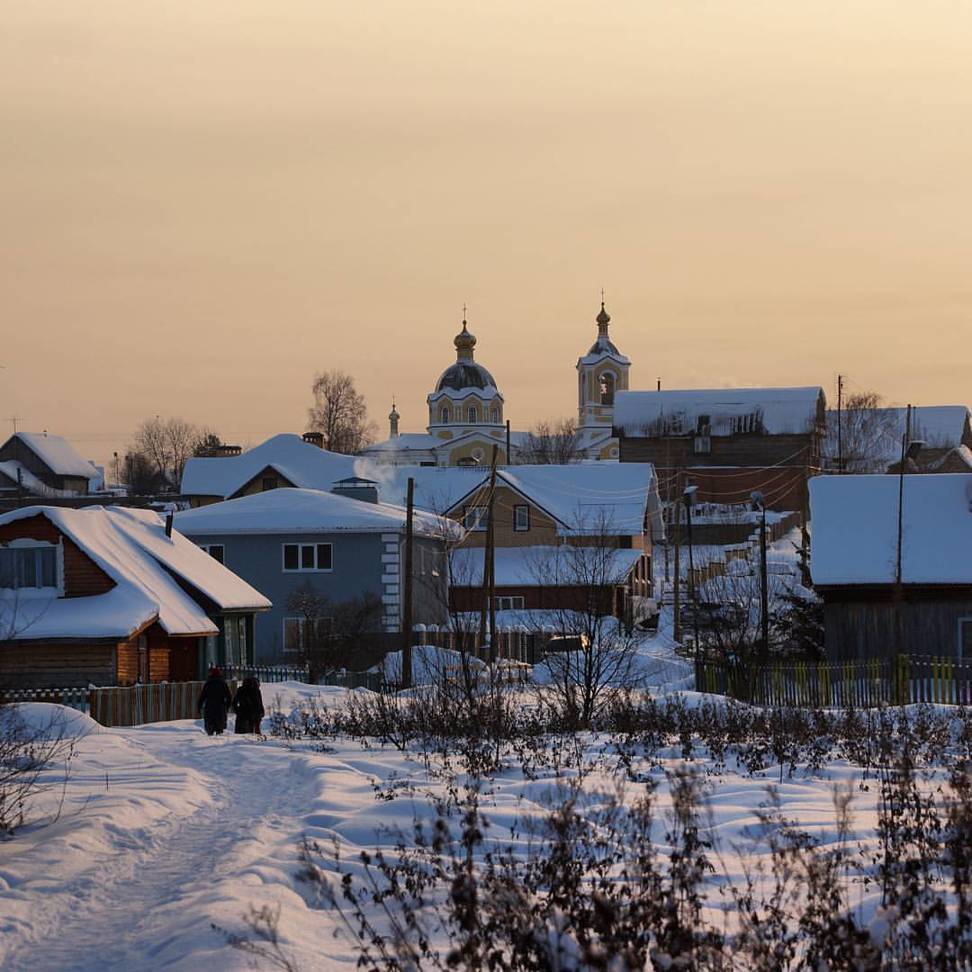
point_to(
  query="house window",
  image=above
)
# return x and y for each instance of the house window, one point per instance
(269, 482)
(472, 414)
(507, 602)
(702, 445)
(475, 518)
(305, 634)
(607, 388)
(965, 638)
(216, 551)
(521, 518)
(30, 566)
(444, 415)
(307, 556)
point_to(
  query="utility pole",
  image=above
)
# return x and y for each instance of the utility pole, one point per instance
(677, 602)
(407, 589)
(759, 503)
(489, 604)
(688, 497)
(840, 433)
(898, 590)
(509, 454)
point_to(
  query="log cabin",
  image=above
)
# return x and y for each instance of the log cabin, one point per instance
(891, 557)
(112, 596)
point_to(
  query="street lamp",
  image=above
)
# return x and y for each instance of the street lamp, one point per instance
(759, 506)
(688, 498)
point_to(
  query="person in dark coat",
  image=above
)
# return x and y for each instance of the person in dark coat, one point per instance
(214, 702)
(248, 705)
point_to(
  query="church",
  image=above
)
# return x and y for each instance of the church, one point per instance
(467, 411)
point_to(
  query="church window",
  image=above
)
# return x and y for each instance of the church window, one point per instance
(444, 415)
(494, 416)
(607, 388)
(472, 414)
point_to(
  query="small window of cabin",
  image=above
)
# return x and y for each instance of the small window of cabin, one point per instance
(31, 566)
(268, 483)
(475, 518)
(965, 638)
(521, 518)
(607, 388)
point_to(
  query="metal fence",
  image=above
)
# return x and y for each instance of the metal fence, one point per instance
(894, 680)
(267, 673)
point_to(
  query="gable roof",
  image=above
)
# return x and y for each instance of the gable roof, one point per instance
(130, 546)
(299, 462)
(583, 497)
(307, 511)
(57, 454)
(545, 566)
(774, 411)
(855, 529)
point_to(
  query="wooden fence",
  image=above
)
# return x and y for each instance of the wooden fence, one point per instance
(895, 680)
(137, 705)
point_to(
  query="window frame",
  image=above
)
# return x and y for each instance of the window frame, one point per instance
(963, 620)
(37, 546)
(482, 518)
(210, 547)
(301, 628)
(472, 415)
(516, 518)
(499, 598)
(301, 547)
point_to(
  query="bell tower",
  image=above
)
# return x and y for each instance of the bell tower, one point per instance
(601, 373)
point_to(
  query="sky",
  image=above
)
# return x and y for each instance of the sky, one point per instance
(204, 202)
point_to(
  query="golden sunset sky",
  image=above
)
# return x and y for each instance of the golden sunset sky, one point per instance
(202, 203)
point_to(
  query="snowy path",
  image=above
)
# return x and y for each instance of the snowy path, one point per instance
(131, 910)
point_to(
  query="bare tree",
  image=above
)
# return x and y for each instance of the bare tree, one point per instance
(551, 442)
(868, 438)
(599, 659)
(340, 414)
(330, 632)
(167, 443)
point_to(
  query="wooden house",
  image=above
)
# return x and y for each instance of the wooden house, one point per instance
(563, 534)
(729, 442)
(114, 596)
(282, 461)
(35, 464)
(893, 565)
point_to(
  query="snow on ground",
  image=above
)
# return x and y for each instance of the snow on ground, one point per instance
(160, 831)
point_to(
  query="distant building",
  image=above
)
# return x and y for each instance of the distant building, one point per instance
(609, 508)
(282, 461)
(855, 554)
(467, 411)
(340, 545)
(729, 442)
(106, 596)
(36, 464)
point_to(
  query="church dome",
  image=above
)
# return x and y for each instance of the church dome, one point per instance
(465, 373)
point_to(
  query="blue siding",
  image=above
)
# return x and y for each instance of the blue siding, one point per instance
(258, 559)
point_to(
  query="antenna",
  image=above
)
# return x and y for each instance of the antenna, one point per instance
(14, 419)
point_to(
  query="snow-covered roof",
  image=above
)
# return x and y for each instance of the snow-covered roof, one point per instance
(961, 455)
(18, 472)
(306, 511)
(57, 454)
(405, 442)
(130, 546)
(299, 462)
(855, 529)
(775, 411)
(545, 566)
(584, 497)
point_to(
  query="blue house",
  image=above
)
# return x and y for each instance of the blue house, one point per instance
(338, 546)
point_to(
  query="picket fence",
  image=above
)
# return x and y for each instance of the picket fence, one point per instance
(896, 680)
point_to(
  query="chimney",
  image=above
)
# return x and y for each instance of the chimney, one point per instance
(354, 487)
(168, 523)
(314, 439)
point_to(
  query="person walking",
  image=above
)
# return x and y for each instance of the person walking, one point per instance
(248, 705)
(214, 702)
